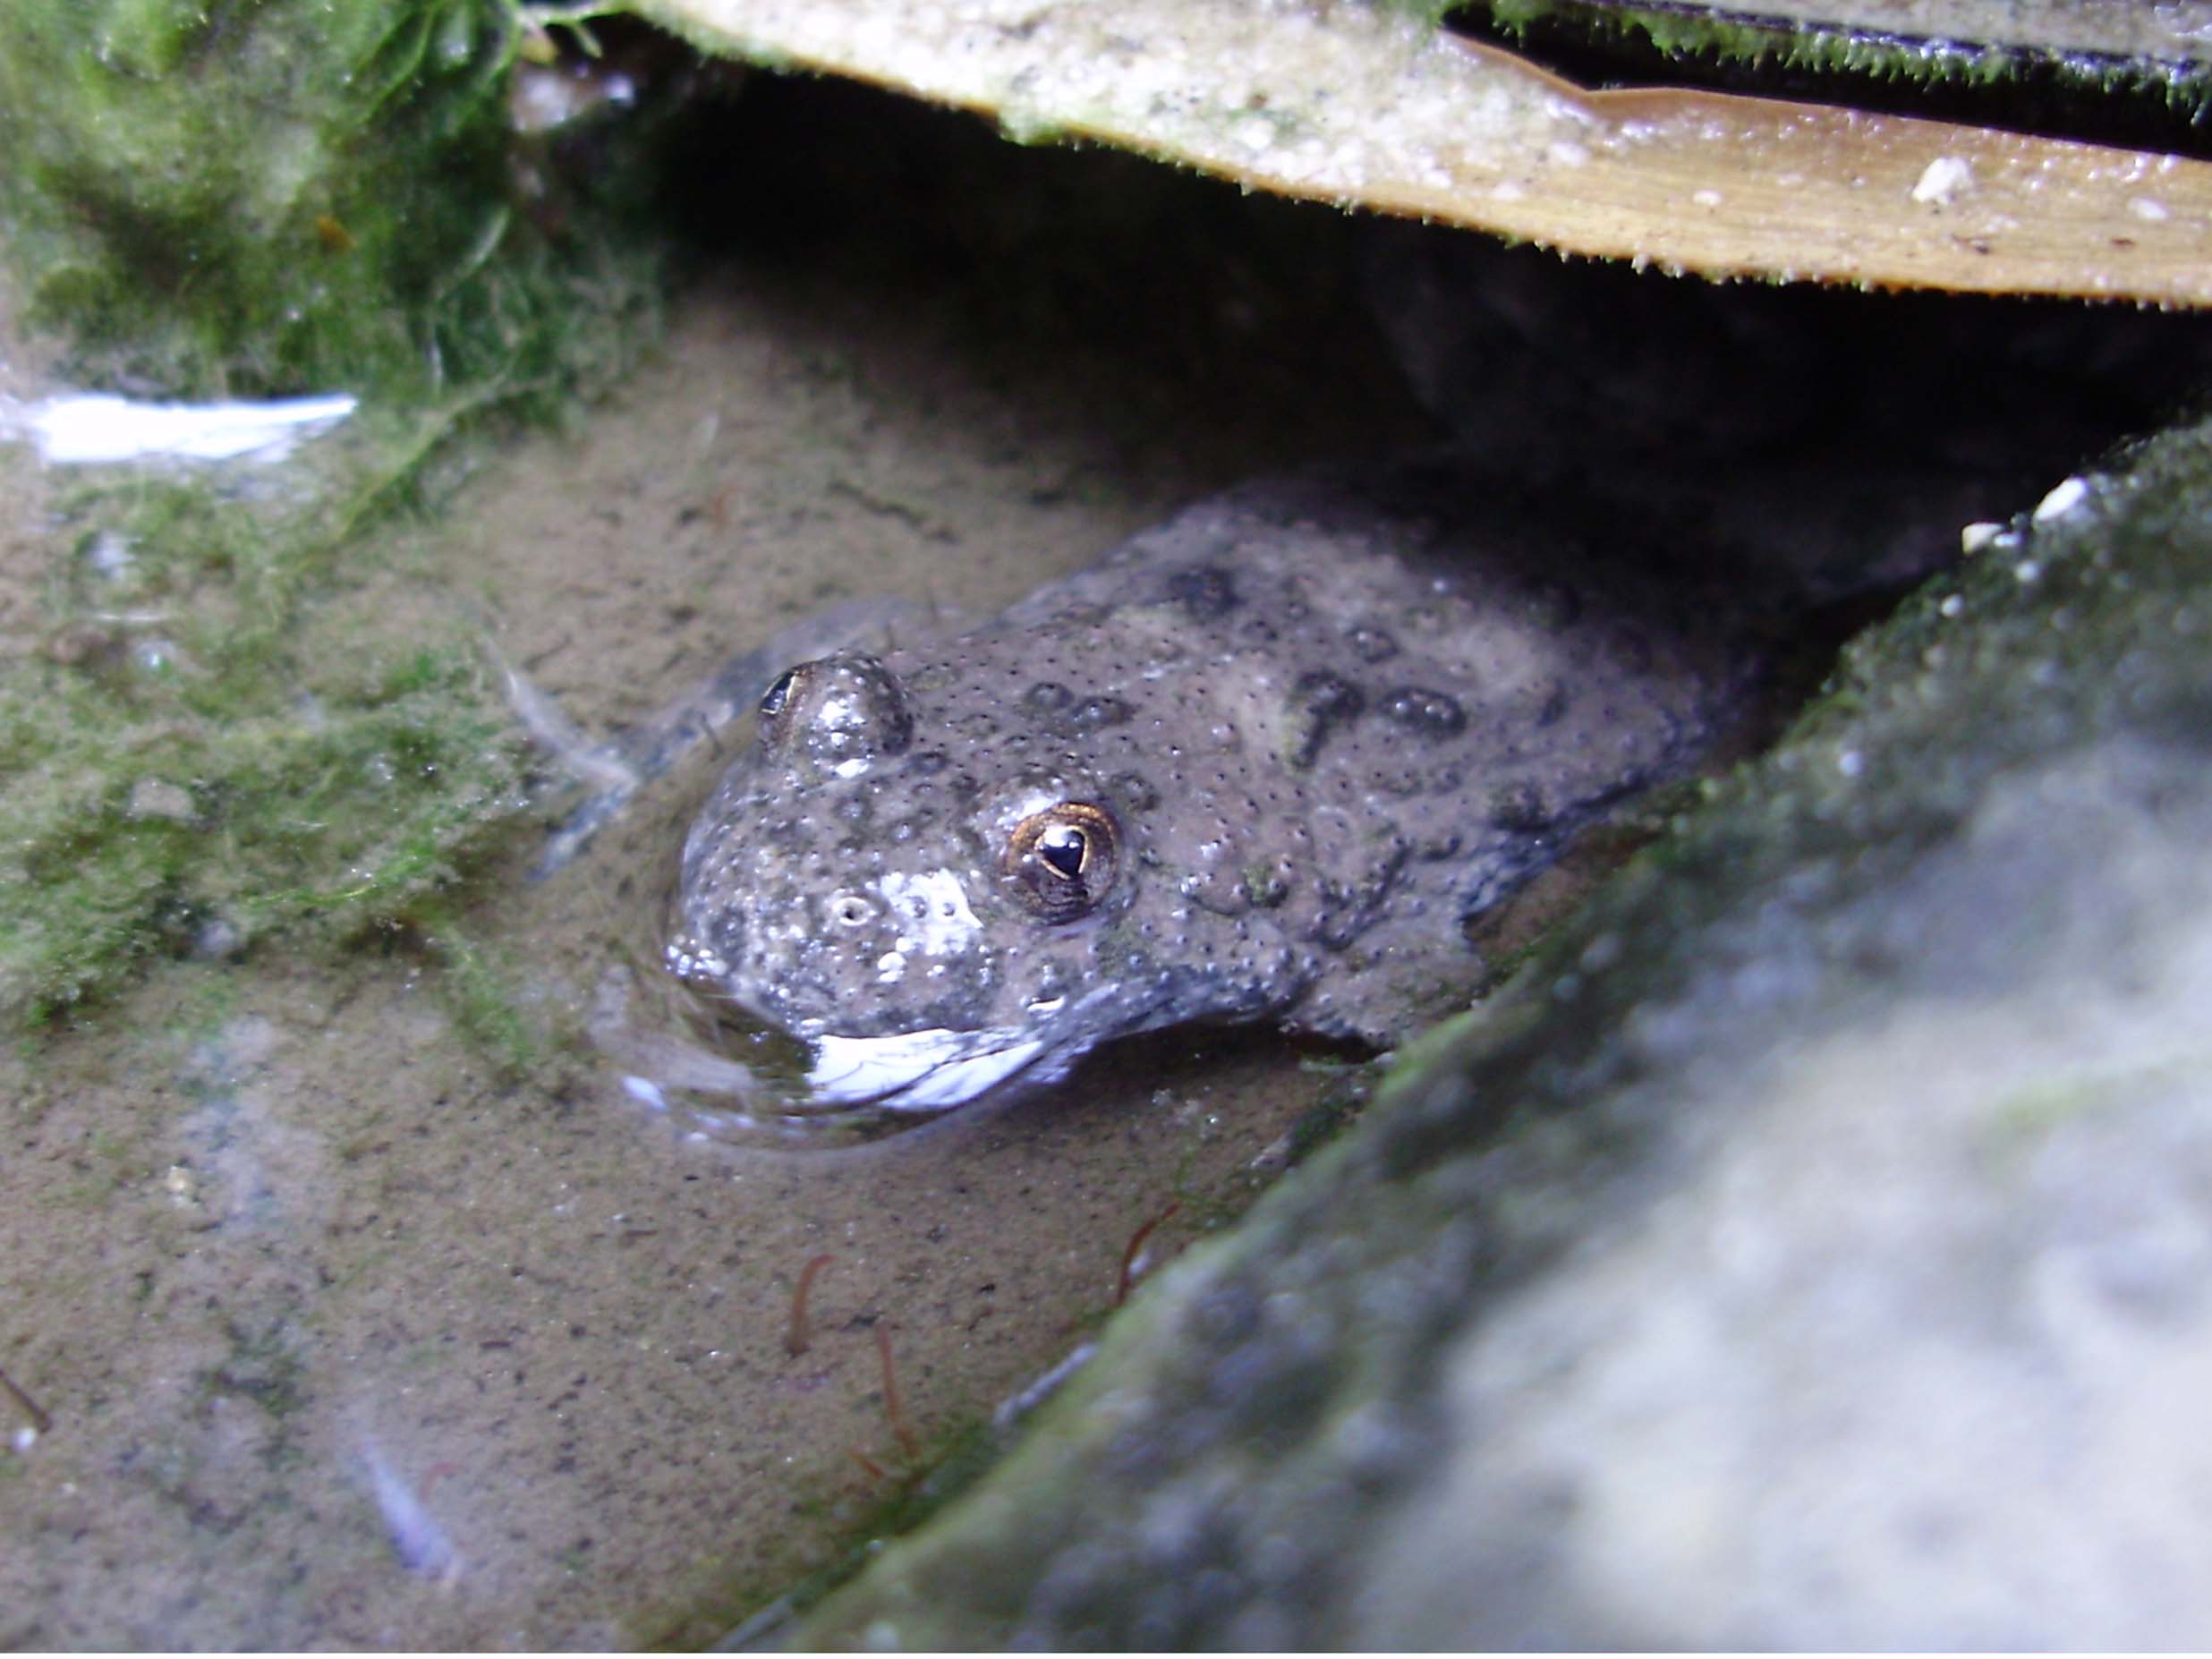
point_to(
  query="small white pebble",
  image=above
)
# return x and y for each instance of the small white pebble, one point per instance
(1979, 535)
(1256, 133)
(2027, 570)
(2061, 500)
(1943, 179)
(1851, 763)
(1953, 606)
(24, 1439)
(2147, 210)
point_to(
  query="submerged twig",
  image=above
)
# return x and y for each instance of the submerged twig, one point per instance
(1137, 1243)
(24, 1403)
(795, 1337)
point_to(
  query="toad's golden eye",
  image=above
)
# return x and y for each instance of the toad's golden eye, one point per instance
(1062, 860)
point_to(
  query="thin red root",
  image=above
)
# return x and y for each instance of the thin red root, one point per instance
(1137, 1243)
(24, 1403)
(894, 1407)
(795, 1337)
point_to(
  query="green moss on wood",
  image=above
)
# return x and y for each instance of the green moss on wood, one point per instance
(1723, 35)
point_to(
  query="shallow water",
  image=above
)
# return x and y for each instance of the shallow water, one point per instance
(333, 1334)
(338, 1337)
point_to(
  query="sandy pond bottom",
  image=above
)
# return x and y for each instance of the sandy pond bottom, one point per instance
(347, 1344)
(337, 1337)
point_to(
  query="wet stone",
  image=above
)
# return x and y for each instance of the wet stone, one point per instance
(1823, 1176)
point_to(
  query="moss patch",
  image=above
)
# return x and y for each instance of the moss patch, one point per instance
(255, 197)
(248, 197)
(179, 772)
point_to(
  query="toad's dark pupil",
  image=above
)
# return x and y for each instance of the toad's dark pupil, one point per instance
(773, 700)
(1063, 848)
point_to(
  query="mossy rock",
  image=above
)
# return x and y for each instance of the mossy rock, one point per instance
(1802, 1189)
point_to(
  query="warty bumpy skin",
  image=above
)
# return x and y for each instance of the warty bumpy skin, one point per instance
(1262, 761)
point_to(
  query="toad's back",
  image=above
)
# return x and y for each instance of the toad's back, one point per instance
(1262, 760)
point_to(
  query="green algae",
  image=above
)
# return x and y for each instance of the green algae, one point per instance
(257, 198)
(156, 809)
(208, 749)
(484, 992)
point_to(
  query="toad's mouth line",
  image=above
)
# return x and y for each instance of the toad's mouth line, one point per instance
(934, 1069)
(918, 1070)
